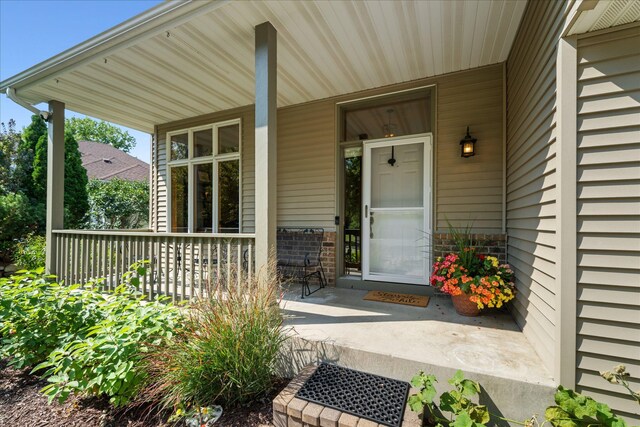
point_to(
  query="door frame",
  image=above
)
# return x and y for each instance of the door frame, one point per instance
(427, 140)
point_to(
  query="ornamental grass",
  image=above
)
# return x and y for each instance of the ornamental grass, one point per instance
(227, 352)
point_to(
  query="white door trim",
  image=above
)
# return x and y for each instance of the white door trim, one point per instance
(427, 141)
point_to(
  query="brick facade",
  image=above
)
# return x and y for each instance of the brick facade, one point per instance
(489, 244)
(329, 256)
(293, 243)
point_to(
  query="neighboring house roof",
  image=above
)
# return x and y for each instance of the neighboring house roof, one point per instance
(105, 162)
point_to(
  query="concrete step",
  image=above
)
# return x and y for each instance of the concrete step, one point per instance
(337, 326)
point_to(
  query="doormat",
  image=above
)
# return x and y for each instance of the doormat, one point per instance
(396, 298)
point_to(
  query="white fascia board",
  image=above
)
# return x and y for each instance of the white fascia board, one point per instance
(143, 26)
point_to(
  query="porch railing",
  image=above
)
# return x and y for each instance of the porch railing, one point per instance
(180, 265)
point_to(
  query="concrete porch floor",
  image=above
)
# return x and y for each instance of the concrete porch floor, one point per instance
(338, 326)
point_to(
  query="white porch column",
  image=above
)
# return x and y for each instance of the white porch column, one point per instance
(55, 181)
(265, 143)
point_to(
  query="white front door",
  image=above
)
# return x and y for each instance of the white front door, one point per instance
(396, 210)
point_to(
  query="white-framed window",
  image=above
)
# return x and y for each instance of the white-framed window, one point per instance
(204, 178)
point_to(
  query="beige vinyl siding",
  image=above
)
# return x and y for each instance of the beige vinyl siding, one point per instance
(470, 190)
(466, 189)
(531, 173)
(608, 206)
(246, 114)
(306, 165)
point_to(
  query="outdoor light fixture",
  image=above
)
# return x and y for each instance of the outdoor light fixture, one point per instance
(467, 145)
(389, 129)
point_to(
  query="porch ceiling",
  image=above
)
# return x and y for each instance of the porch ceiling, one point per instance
(183, 59)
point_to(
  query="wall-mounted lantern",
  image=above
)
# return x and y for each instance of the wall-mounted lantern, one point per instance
(467, 145)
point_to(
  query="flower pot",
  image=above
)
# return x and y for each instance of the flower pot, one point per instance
(464, 306)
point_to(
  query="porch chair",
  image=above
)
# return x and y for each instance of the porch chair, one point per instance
(299, 256)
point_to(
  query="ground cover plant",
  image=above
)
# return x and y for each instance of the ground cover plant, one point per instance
(79, 338)
(227, 351)
(455, 408)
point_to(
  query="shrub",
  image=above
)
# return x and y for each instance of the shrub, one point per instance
(226, 353)
(118, 204)
(84, 340)
(39, 315)
(17, 219)
(30, 253)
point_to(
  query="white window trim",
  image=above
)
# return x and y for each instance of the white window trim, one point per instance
(190, 163)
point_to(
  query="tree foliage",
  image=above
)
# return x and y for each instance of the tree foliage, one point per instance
(9, 141)
(18, 217)
(87, 129)
(76, 203)
(23, 173)
(118, 204)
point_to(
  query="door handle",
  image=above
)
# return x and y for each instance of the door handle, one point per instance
(366, 211)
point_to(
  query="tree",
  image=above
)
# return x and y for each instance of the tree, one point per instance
(76, 203)
(118, 204)
(87, 129)
(9, 141)
(23, 174)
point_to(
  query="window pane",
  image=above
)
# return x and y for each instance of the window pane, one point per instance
(203, 143)
(388, 119)
(180, 146)
(179, 199)
(352, 209)
(228, 139)
(204, 198)
(229, 197)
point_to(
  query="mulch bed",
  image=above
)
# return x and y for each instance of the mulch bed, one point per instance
(22, 404)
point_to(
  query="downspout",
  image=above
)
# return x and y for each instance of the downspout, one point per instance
(11, 94)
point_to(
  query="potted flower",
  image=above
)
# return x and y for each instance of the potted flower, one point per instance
(474, 281)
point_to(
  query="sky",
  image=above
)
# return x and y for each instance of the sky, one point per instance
(32, 31)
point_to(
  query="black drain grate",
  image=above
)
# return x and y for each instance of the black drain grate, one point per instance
(364, 395)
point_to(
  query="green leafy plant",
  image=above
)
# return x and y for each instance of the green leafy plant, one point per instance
(82, 339)
(227, 352)
(38, 315)
(576, 410)
(571, 409)
(118, 204)
(457, 402)
(30, 252)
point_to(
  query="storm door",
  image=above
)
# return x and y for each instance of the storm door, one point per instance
(396, 209)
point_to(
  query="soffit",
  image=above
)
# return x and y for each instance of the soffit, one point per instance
(205, 63)
(606, 14)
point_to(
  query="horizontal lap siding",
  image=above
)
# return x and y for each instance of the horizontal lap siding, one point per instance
(531, 173)
(608, 205)
(466, 189)
(470, 190)
(306, 165)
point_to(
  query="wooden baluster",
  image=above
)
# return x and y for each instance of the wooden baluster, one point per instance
(152, 267)
(192, 266)
(219, 258)
(209, 269)
(74, 256)
(250, 261)
(228, 278)
(174, 282)
(239, 260)
(183, 271)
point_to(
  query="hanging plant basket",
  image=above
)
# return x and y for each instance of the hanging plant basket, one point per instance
(464, 306)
